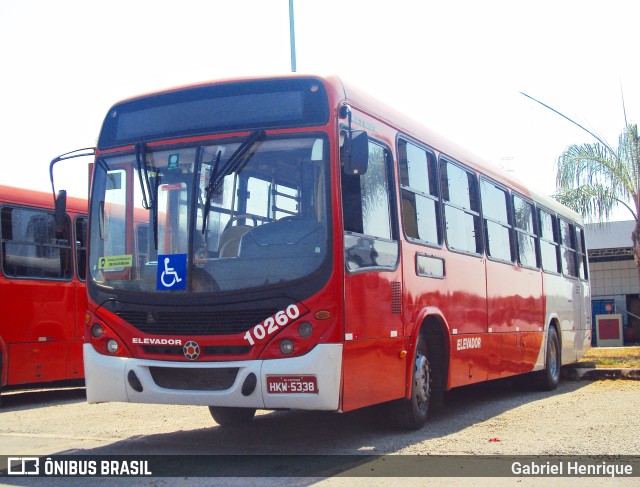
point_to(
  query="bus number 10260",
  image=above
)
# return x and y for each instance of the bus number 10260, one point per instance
(272, 324)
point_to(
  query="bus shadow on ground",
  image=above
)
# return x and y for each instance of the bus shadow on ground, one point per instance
(15, 399)
(361, 432)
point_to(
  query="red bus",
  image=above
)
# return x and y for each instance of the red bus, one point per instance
(42, 288)
(309, 247)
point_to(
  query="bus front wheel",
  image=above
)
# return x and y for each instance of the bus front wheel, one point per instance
(412, 413)
(231, 416)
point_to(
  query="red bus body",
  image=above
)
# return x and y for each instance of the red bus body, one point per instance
(485, 311)
(42, 289)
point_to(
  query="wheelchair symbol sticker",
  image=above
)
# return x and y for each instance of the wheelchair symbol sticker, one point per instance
(172, 272)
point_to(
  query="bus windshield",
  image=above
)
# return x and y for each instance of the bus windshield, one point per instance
(233, 214)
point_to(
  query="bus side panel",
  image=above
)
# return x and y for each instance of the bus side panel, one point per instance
(37, 362)
(38, 320)
(75, 366)
(516, 311)
(373, 369)
(565, 304)
(374, 372)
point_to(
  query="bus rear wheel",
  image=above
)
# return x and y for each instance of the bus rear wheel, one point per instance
(225, 416)
(412, 413)
(548, 379)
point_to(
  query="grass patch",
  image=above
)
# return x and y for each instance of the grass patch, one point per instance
(612, 357)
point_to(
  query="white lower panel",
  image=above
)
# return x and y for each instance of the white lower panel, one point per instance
(106, 381)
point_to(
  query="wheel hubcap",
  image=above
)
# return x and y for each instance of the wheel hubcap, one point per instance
(421, 375)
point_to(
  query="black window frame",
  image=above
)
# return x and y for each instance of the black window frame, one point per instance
(367, 239)
(70, 267)
(473, 198)
(571, 247)
(543, 240)
(508, 224)
(433, 195)
(80, 246)
(533, 234)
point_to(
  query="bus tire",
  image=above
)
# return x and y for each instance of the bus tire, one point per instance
(411, 414)
(225, 416)
(548, 379)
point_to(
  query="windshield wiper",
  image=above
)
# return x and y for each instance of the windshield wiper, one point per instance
(148, 190)
(235, 163)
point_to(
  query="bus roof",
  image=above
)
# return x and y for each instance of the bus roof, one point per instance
(342, 90)
(42, 199)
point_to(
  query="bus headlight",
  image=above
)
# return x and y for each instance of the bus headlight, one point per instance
(97, 330)
(286, 346)
(112, 346)
(305, 329)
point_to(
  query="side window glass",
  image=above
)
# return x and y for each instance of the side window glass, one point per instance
(568, 250)
(495, 203)
(420, 213)
(31, 247)
(370, 239)
(548, 242)
(583, 268)
(461, 208)
(81, 247)
(525, 232)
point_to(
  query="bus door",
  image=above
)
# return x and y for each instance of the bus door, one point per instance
(373, 368)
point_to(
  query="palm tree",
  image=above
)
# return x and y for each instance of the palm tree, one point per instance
(592, 179)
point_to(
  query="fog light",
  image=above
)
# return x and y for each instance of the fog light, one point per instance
(96, 330)
(286, 346)
(305, 329)
(112, 346)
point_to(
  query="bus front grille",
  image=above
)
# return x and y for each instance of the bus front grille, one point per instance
(187, 379)
(195, 323)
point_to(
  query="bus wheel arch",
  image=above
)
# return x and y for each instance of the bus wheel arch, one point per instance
(426, 376)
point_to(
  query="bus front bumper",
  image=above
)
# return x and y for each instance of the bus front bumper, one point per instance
(227, 384)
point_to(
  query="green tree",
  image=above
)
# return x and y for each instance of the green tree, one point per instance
(594, 178)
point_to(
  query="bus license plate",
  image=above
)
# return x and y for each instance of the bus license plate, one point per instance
(292, 384)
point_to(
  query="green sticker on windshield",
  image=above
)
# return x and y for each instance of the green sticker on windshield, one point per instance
(115, 262)
(173, 162)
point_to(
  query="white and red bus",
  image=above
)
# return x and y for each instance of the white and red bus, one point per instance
(42, 288)
(309, 247)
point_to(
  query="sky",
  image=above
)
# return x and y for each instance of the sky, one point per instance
(455, 66)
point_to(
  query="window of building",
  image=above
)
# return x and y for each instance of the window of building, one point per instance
(420, 213)
(459, 189)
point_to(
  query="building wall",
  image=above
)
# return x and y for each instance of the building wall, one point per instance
(614, 278)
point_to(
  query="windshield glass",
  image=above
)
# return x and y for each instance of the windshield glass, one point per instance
(236, 214)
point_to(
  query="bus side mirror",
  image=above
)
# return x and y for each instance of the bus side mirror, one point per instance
(355, 153)
(61, 211)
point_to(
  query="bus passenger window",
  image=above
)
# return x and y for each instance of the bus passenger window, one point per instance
(549, 242)
(583, 268)
(370, 239)
(496, 218)
(81, 248)
(420, 212)
(525, 233)
(567, 249)
(31, 247)
(461, 208)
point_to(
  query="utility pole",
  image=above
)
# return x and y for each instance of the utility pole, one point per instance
(292, 36)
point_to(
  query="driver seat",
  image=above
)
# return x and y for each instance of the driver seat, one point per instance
(230, 240)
